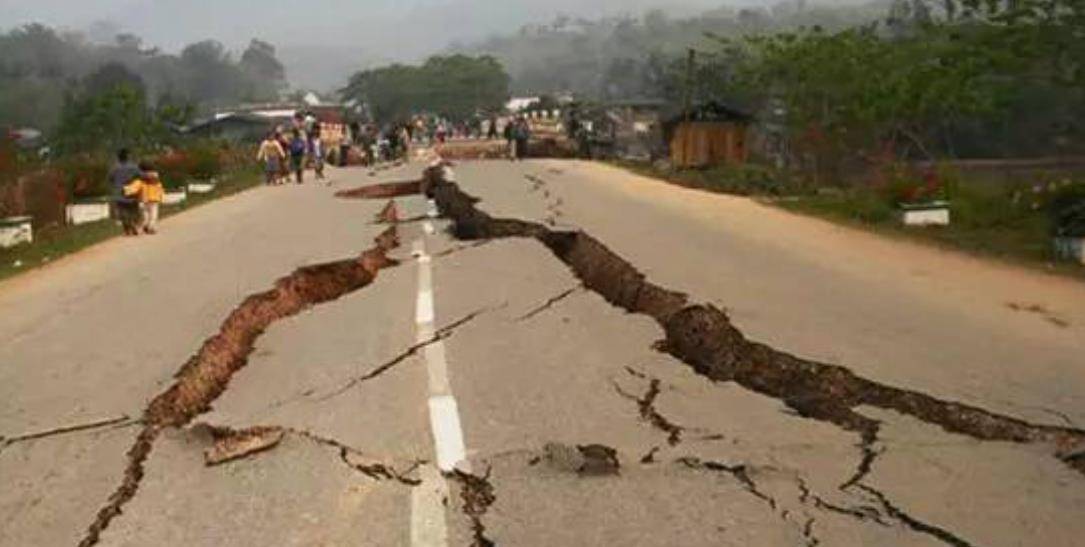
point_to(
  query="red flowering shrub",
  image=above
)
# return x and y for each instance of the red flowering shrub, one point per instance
(85, 176)
(909, 185)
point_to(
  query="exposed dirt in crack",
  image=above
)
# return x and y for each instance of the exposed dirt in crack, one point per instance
(382, 191)
(206, 375)
(703, 337)
(477, 495)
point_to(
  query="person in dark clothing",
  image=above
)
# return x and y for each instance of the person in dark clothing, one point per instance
(298, 149)
(126, 208)
(510, 138)
(491, 133)
(522, 134)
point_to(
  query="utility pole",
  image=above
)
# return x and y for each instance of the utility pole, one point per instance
(690, 65)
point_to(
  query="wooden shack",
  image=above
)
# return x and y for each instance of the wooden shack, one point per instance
(709, 134)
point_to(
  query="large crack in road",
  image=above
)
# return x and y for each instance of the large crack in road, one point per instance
(208, 373)
(703, 337)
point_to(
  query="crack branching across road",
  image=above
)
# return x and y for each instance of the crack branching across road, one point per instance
(206, 375)
(703, 337)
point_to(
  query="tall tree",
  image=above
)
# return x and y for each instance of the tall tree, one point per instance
(456, 86)
(265, 73)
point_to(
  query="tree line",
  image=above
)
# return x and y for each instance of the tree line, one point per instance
(903, 78)
(48, 78)
(457, 87)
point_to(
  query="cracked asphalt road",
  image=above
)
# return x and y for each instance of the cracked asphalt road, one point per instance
(575, 429)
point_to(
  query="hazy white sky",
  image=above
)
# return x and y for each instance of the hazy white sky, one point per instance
(320, 40)
(171, 23)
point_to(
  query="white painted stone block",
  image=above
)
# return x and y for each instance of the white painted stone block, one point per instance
(85, 213)
(175, 198)
(1070, 248)
(201, 187)
(15, 231)
(935, 214)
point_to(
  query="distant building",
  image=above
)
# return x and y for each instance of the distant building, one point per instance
(519, 104)
(252, 123)
(711, 133)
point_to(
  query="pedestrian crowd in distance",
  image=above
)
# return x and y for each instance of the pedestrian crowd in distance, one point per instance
(289, 152)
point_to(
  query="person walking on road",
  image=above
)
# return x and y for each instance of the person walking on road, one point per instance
(405, 142)
(316, 151)
(126, 209)
(272, 155)
(298, 148)
(148, 190)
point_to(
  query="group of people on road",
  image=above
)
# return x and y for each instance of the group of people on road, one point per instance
(285, 153)
(390, 143)
(138, 195)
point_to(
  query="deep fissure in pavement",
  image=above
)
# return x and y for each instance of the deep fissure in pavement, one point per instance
(383, 191)
(703, 337)
(206, 375)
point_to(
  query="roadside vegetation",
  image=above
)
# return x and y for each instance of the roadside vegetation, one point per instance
(91, 99)
(1008, 220)
(53, 240)
(975, 103)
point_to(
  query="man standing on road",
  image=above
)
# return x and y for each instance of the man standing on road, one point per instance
(522, 133)
(126, 208)
(510, 138)
(298, 148)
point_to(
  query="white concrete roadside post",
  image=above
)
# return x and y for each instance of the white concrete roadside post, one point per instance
(15, 231)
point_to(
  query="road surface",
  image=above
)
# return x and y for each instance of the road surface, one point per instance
(497, 390)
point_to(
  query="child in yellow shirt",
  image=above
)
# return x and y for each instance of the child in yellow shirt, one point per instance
(148, 188)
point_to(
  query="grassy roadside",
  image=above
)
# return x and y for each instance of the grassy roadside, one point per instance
(52, 243)
(986, 222)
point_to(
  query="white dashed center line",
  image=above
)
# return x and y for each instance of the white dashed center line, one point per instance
(428, 525)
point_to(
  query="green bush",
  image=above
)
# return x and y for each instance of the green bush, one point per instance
(744, 180)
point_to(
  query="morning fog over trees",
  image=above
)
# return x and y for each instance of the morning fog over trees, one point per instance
(960, 78)
(45, 72)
